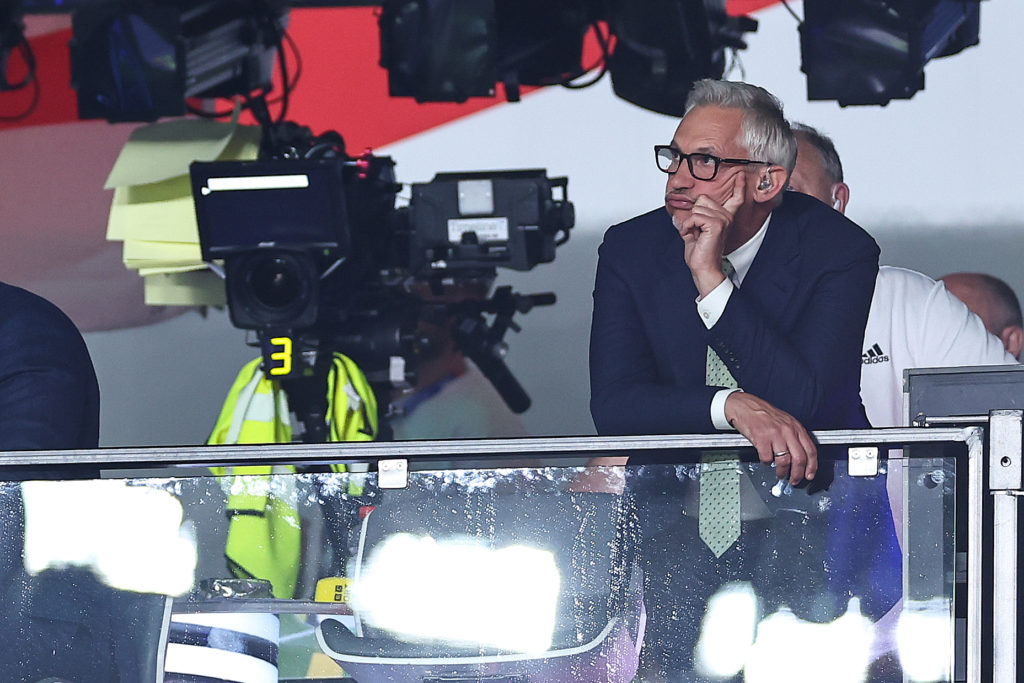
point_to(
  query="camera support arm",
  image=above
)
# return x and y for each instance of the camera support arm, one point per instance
(484, 344)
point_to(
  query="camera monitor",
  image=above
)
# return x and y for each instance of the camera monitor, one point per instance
(242, 206)
(277, 225)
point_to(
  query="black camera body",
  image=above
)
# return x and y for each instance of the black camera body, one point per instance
(318, 259)
(278, 226)
(298, 234)
(480, 220)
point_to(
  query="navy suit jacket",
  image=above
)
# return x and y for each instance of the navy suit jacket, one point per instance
(791, 334)
(62, 623)
(49, 397)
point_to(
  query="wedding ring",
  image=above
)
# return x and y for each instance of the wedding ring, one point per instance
(780, 454)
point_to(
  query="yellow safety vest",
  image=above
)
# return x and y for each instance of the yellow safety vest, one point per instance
(264, 533)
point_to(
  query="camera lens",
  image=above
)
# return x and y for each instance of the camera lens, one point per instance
(272, 288)
(276, 282)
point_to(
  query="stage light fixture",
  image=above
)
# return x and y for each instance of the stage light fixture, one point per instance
(138, 61)
(541, 42)
(439, 50)
(451, 50)
(874, 51)
(663, 46)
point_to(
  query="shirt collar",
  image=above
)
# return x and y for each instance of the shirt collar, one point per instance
(743, 257)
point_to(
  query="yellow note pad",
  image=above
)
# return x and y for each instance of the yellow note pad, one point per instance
(195, 288)
(165, 149)
(172, 220)
(146, 254)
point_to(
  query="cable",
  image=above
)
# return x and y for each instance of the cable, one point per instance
(286, 89)
(30, 79)
(735, 62)
(603, 42)
(789, 9)
(296, 57)
(285, 86)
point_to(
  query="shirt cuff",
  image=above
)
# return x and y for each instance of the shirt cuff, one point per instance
(718, 410)
(711, 307)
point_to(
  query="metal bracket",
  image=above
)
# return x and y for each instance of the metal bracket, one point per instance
(863, 461)
(393, 474)
(1005, 445)
(922, 420)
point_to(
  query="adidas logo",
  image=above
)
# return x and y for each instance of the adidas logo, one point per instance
(874, 355)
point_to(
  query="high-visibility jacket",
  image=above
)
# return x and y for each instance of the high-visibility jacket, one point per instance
(264, 532)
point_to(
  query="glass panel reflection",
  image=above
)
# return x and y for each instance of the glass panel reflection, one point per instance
(500, 575)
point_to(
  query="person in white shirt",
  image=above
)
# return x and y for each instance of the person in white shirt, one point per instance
(913, 322)
(994, 302)
(452, 398)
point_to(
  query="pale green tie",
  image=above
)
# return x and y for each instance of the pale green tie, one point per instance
(719, 509)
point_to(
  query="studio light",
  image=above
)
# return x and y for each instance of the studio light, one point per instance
(874, 51)
(138, 61)
(541, 42)
(663, 46)
(451, 50)
(439, 50)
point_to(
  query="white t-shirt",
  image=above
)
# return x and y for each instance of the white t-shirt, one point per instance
(914, 322)
(465, 407)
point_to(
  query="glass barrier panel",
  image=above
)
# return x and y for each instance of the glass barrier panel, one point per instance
(538, 572)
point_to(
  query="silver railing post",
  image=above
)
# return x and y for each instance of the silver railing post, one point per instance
(1006, 485)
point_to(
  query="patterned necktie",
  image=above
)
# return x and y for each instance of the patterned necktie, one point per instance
(719, 508)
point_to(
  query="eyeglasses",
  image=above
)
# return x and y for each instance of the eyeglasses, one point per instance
(702, 166)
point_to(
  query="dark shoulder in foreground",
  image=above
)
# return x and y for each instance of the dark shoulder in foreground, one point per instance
(50, 396)
(20, 309)
(824, 228)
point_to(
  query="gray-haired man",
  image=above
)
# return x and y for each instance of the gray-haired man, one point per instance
(732, 307)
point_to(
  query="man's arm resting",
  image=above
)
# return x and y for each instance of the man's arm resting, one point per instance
(808, 370)
(772, 431)
(627, 396)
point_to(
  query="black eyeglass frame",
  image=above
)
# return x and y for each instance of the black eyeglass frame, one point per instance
(689, 162)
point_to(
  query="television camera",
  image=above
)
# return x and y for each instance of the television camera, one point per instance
(319, 258)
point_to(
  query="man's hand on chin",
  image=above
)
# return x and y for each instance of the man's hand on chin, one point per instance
(776, 435)
(704, 232)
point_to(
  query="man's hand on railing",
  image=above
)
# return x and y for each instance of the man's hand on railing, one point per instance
(776, 435)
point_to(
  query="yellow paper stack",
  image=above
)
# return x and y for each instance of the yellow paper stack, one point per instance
(153, 213)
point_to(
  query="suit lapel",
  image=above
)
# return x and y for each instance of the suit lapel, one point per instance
(774, 276)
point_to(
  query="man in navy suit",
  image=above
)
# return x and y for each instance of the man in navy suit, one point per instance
(790, 334)
(788, 323)
(62, 623)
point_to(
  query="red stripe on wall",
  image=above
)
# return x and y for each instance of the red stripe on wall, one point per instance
(740, 7)
(53, 74)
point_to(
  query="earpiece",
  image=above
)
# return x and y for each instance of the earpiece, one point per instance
(837, 203)
(765, 184)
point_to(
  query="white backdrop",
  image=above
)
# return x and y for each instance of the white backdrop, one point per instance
(933, 178)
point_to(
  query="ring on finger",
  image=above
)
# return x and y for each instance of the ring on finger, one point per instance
(781, 454)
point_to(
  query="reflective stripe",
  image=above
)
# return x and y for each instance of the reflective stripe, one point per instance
(264, 538)
(218, 664)
(223, 639)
